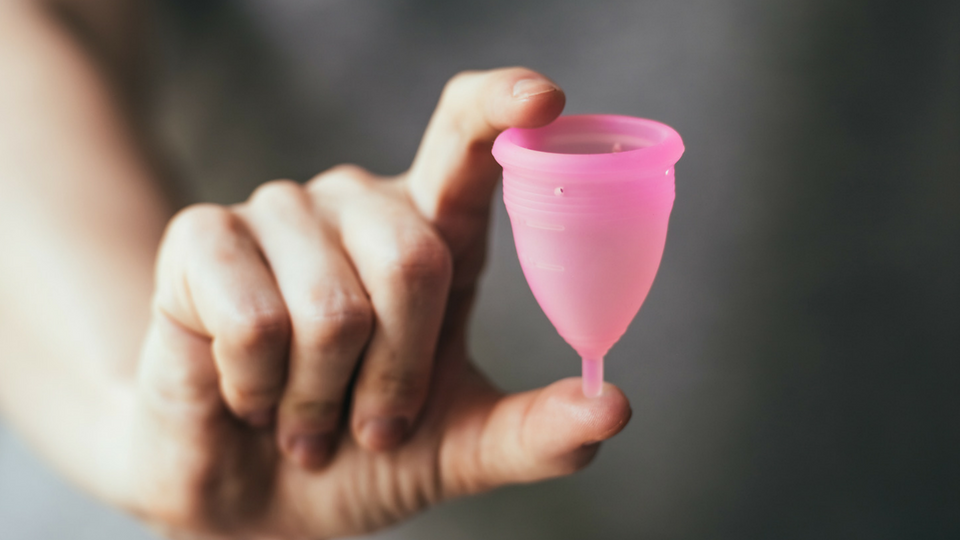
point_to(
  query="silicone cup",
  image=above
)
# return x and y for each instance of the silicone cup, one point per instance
(589, 198)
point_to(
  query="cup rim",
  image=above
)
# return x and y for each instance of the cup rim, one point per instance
(662, 155)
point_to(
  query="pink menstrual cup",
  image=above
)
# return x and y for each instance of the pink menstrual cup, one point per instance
(589, 198)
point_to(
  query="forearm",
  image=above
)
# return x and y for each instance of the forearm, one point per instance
(80, 219)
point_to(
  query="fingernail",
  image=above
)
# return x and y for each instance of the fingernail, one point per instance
(310, 449)
(383, 433)
(525, 88)
(261, 419)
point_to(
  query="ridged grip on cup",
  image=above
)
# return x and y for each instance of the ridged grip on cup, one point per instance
(589, 199)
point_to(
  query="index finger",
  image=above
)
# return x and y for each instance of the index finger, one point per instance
(453, 176)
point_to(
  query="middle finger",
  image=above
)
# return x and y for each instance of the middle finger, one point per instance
(330, 313)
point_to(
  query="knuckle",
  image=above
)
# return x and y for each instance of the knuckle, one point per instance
(203, 220)
(349, 170)
(277, 193)
(252, 395)
(456, 83)
(423, 260)
(400, 387)
(206, 233)
(315, 412)
(343, 176)
(338, 318)
(258, 328)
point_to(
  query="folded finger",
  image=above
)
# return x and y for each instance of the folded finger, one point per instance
(213, 280)
(330, 313)
(406, 269)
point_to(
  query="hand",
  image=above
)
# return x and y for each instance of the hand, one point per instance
(306, 375)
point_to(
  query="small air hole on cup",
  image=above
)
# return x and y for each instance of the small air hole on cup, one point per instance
(558, 192)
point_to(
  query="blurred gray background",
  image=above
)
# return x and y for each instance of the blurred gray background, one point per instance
(794, 372)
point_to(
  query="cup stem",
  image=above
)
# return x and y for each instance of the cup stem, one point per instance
(592, 377)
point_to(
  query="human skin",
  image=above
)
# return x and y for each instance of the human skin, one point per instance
(294, 366)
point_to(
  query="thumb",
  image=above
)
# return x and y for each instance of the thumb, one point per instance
(540, 434)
